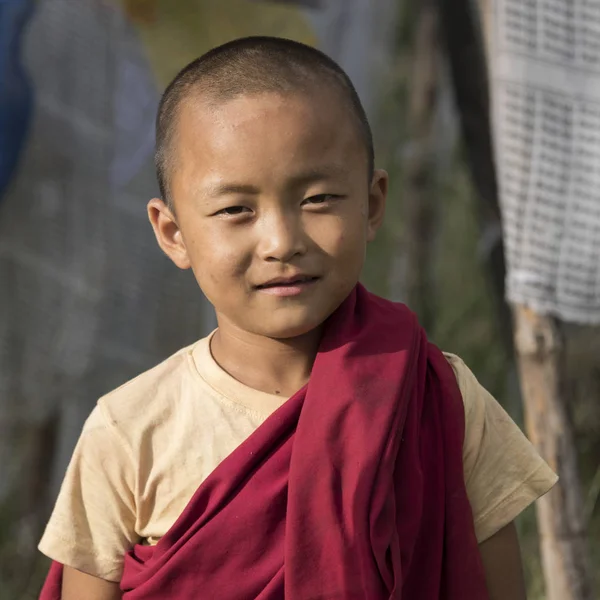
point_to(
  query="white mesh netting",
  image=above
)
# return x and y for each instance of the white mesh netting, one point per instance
(545, 75)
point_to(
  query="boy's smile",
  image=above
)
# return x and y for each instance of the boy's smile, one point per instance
(273, 208)
(288, 286)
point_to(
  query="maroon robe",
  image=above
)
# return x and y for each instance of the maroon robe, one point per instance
(353, 489)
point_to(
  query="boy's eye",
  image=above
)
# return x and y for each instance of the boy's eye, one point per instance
(232, 211)
(320, 199)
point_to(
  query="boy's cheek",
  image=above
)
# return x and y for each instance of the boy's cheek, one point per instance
(346, 238)
(349, 246)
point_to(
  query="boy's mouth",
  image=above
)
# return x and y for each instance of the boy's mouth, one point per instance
(287, 286)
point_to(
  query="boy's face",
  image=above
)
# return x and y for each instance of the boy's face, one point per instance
(273, 208)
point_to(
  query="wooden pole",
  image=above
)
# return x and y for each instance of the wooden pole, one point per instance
(560, 514)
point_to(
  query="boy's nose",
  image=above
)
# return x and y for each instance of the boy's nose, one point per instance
(281, 238)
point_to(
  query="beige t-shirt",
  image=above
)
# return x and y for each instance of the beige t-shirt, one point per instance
(148, 445)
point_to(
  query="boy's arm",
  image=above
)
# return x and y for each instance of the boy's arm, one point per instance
(81, 586)
(501, 558)
(93, 522)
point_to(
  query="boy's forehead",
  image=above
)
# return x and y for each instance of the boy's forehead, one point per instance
(248, 129)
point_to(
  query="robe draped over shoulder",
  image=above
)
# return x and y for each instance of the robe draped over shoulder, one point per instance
(354, 488)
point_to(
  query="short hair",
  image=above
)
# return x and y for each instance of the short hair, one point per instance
(252, 65)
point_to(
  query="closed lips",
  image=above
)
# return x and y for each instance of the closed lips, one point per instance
(287, 281)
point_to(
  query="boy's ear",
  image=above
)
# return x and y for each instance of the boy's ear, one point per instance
(377, 199)
(167, 232)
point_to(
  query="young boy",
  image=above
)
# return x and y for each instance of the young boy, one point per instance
(315, 445)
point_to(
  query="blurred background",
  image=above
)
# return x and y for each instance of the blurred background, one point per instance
(487, 116)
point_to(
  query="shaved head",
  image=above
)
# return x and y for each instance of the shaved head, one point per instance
(253, 66)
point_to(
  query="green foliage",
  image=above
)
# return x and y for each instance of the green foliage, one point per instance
(466, 319)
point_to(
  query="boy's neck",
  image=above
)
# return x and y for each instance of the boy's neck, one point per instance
(266, 364)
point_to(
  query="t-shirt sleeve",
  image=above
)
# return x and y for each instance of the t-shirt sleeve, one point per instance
(504, 474)
(93, 522)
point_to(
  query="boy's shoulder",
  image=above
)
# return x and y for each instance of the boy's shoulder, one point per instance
(467, 382)
(458, 364)
(150, 392)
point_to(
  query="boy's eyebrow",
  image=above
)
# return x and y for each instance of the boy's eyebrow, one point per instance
(318, 174)
(223, 189)
(309, 176)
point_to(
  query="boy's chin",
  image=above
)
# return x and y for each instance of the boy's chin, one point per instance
(292, 321)
(287, 328)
